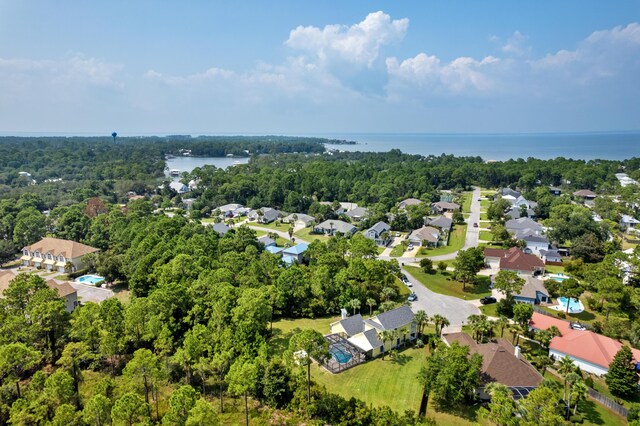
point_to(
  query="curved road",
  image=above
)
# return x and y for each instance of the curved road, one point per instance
(454, 309)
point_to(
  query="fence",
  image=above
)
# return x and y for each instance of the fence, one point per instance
(609, 403)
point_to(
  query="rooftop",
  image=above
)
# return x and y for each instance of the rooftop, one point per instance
(69, 249)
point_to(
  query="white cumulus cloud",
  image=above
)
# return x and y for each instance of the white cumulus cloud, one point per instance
(359, 43)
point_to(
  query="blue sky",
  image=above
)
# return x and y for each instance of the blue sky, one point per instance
(293, 67)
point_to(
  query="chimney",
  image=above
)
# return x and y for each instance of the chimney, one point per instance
(343, 313)
(516, 352)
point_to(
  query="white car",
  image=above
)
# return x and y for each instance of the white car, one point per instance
(398, 234)
(578, 326)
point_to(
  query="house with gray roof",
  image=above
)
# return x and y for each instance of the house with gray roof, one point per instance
(408, 202)
(332, 226)
(366, 333)
(514, 225)
(442, 222)
(266, 215)
(299, 219)
(427, 236)
(379, 233)
(550, 256)
(534, 243)
(510, 192)
(179, 187)
(357, 214)
(533, 292)
(267, 241)
(220, 228)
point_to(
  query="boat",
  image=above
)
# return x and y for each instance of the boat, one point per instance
(174, 172)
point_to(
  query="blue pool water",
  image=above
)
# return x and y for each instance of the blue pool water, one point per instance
(90, 279)
(340, 355)
(574, 304)
(558, 277)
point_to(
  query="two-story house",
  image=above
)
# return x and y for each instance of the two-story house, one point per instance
(54, 254)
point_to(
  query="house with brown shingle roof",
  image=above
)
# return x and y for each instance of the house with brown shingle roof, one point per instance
(501, 363)
(585, 194)
(54, 253)
(64, 289)
(515, 260)
(444, 206)
(427, 236)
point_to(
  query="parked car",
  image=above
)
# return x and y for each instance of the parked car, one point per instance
(475, 224)
(398, 234)
(412, 297)
(488, 300)
(410, 247)
(577, 326)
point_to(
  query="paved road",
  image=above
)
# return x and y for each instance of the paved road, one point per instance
(454, 309)
(471, 239)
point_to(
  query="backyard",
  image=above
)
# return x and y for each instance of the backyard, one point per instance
(443, 283)
(379, 382)
(306, 235)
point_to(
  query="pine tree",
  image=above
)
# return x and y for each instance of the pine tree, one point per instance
(621, 377)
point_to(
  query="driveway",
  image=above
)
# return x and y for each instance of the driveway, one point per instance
(91, 293)
(455, 310)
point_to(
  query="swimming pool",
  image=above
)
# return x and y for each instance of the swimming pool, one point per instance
(90, 279)
(340, 354)
(559, 277)
(575, 305)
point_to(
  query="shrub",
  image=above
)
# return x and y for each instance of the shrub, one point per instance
(442, 266)
(576, 418)
(505, 307)
(589, 381)
(634, 412)
(427, 265)
(561, 315)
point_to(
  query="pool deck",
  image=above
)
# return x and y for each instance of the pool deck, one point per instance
(91, 293)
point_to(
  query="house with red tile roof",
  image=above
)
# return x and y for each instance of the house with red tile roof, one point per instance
(592, 352)
(515, 260)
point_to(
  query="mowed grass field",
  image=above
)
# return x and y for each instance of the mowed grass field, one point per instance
(392, 381)
(440, 284)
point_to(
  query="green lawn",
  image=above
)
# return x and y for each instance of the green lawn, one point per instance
(485, 235)
(554, 269)
(466, 202)
(483, 216)
(306, 235)
(484, 204)
(490, 310)
(285, 328)
(593, 412)
(391, 381)
(456, 242)
(398, 250)
(444, 284)
(284, 227)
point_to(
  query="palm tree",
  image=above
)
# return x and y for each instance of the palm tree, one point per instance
(371, 303)
(385, 336)
(290, 232)
(388, 293)
(502, 322)
(565, 367)
(580, 391)
(572, 379)
(420, 318)
(440, 322)
(355, 304)
(516, 329)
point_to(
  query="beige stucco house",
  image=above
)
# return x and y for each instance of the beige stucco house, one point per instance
(53, 254)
